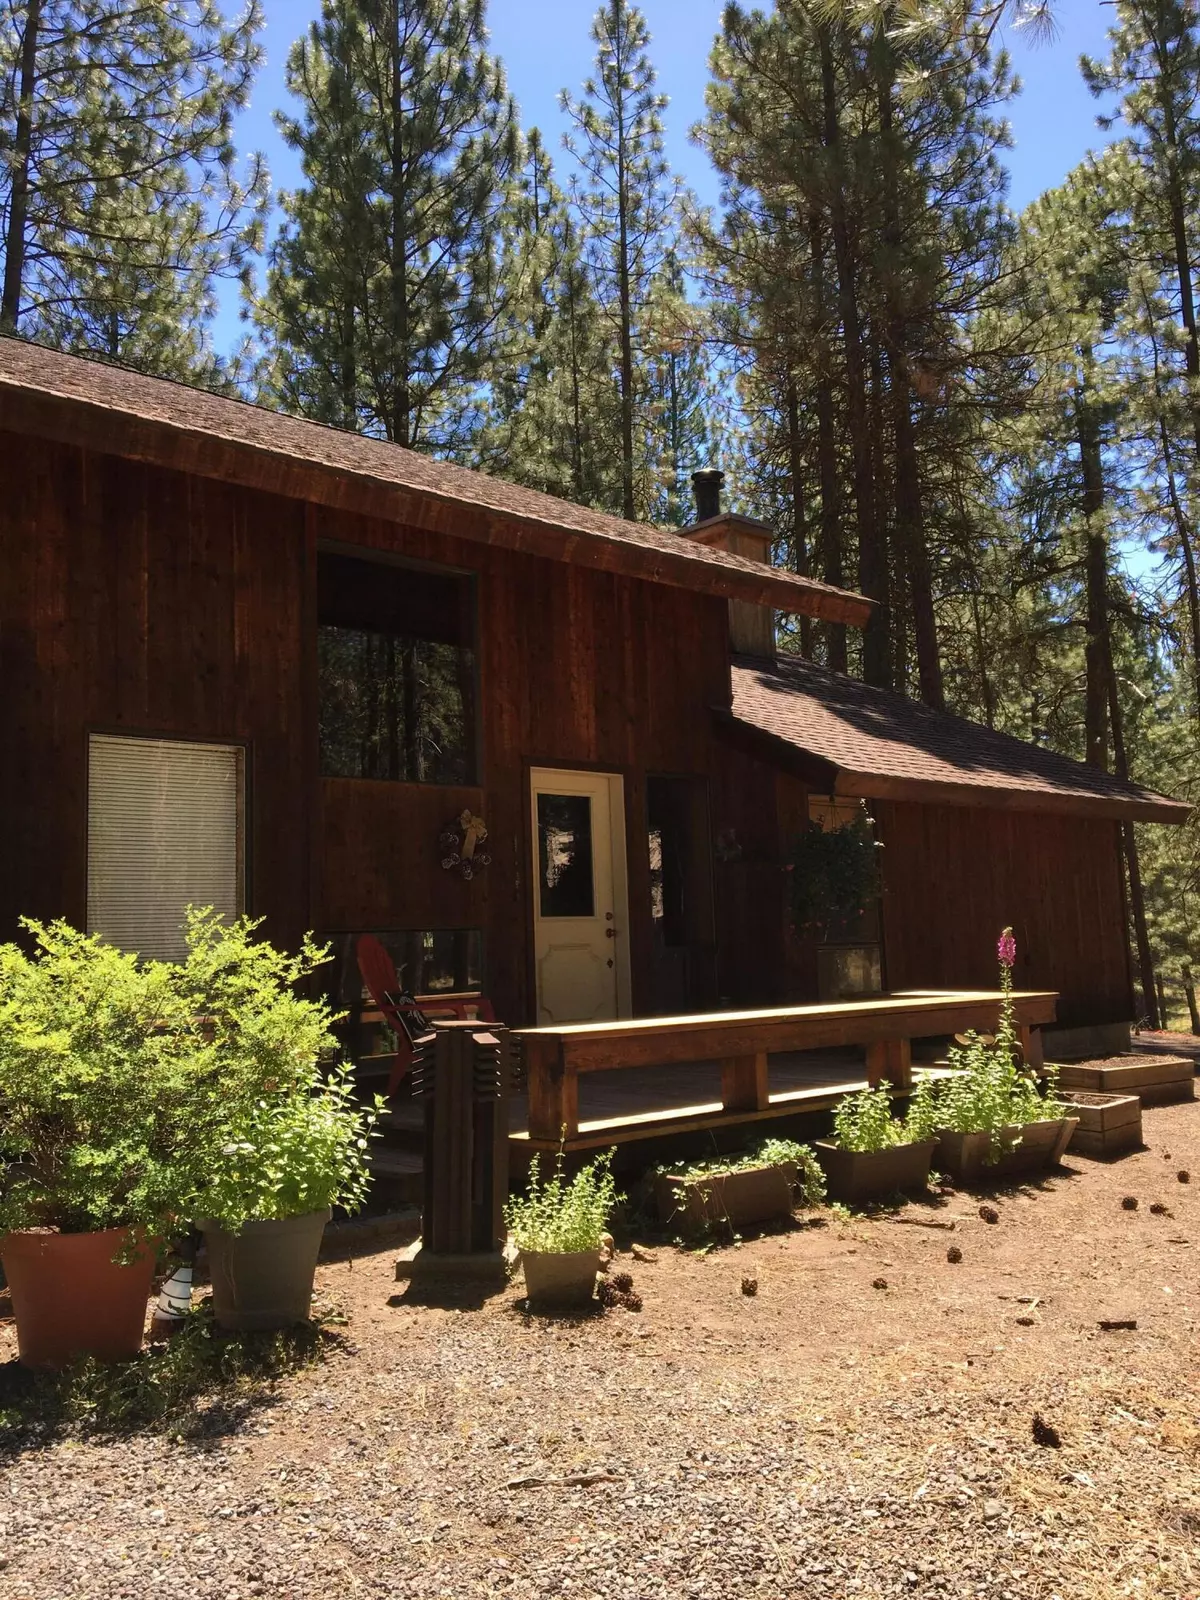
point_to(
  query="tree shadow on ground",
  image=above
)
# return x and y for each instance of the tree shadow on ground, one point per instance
(202, 1384)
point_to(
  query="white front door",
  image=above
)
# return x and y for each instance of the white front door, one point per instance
(580, 901)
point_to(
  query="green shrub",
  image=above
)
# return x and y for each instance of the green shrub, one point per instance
(99, 1085)
(290, 1153)
(561, 1216)
(864, 1121)
(123, 1083)
(920, 1120)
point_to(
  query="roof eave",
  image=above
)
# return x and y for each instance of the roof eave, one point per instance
(826, 777)
(74, 419)
(877, 786)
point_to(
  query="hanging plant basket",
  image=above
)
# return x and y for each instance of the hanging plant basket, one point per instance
(835, 876)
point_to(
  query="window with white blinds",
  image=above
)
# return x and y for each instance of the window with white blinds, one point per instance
(165, 831)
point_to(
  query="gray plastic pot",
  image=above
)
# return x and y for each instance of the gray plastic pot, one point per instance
(262, 1277)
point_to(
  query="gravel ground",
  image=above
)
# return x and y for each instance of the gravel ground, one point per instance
(824, 1438)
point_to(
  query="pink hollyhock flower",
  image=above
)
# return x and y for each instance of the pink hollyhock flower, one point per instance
(1006, 948)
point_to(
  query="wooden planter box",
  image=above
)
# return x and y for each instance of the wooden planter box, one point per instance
(857, 1175)
(964, 1156)
(1156, 1080)
(1109, 1124)
(740, 1199)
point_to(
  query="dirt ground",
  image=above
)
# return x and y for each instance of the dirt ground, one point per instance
(862, 1426)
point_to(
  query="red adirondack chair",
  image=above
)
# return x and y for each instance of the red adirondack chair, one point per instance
(406, 1014)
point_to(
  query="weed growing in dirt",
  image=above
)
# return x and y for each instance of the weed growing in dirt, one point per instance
(198, 1382)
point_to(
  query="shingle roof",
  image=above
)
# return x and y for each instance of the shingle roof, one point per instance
(848, 738)
(170, 424)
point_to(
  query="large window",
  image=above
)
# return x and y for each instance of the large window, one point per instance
(396, 663)
(165, 831)
(849, 961)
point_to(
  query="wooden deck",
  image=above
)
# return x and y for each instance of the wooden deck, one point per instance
(650, 1102)
(606, 1083)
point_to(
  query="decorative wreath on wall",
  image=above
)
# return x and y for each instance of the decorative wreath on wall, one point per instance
(460, 842)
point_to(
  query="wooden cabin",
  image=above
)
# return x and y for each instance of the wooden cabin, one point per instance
(258, 663)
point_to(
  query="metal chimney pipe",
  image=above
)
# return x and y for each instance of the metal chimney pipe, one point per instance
(706, 486)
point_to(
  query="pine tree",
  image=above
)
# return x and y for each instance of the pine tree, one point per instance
(625, 202)
(862, 234)
(119, 199)
(1154, 65)
(384, 295)
(552, 409)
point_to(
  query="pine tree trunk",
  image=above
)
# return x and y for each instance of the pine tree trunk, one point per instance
(1133, 869)
(827, 470)
(909, 510)
(910, 529)
(1191, 356)
(1184, 534)
(1098, 649)
(349, 370)
(576, 408)
(799, 540)
(401, 408)
(19, 186)
(1189, 990)
(872, 558)
(981, 656)
(625, 308)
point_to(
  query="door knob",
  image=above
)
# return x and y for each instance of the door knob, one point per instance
(610, 933)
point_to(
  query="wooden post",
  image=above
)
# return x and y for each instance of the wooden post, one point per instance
(891, 1059)
(463, 1077)
(1031, 1048)
(553, 1091)
(744, 1083)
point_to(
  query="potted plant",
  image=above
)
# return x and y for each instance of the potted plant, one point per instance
(97, 1098)
(994, 1117)
(873, 1153)
(835, 875)
(757, 1185)
(558, 1225)
(286, 1161)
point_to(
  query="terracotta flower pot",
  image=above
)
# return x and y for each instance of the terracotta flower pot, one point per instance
(560, 1278)
(262, 1277)
(70, 1298)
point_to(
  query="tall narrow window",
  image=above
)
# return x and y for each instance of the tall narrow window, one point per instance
(165, 831)
(396, 664)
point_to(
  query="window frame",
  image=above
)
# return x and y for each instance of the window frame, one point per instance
(392, 558)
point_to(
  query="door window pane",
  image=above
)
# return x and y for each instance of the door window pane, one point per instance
(565, 881)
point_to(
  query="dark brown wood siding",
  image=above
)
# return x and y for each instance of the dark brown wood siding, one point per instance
(150, 602)
(955, 876)
(137, 599)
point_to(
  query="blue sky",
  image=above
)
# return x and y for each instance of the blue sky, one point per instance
(545, 47)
